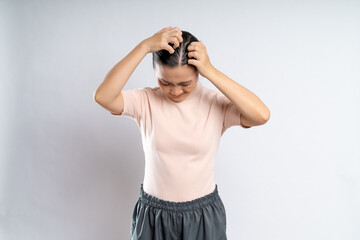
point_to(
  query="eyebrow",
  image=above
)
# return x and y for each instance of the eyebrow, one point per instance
(172, 83)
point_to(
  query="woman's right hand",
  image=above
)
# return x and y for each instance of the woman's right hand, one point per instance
(161, 39)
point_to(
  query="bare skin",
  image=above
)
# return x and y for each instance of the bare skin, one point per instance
(108, 94)
(175, 82)
(180, 177)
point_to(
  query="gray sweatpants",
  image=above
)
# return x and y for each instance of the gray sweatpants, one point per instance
(203, 218)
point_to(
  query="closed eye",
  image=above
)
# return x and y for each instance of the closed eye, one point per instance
(167, 84)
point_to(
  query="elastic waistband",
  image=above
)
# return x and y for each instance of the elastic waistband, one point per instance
(178, 206)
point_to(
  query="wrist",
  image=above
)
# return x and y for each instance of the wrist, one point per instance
(143, 46)
(211, 71)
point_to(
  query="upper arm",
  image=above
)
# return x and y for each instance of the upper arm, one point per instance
(133, 103)
(116, 106)
(231, 115)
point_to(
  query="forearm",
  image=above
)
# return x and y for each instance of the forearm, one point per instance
(246, 101)
(117, 77)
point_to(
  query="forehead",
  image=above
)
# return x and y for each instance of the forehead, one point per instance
(175, 75)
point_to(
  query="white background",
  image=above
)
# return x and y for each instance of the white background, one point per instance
(71, 170)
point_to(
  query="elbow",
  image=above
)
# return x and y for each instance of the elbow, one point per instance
(97, 98)
(266, 116)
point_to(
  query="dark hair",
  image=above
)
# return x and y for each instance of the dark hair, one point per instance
(179, 57)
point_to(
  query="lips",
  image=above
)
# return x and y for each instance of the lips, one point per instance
(178, 95)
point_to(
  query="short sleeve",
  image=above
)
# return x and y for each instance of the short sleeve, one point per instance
(230, 113)
(136, 104)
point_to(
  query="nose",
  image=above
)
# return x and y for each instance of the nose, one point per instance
(177, 91)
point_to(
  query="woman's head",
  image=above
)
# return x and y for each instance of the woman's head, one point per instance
(175, 76)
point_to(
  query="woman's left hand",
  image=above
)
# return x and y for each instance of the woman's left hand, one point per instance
(202, 62)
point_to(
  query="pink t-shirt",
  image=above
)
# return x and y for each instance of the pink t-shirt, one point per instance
(180, 139)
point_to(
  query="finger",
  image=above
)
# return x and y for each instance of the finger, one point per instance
(176, 32)
(162, 30)
(194, 49)
(176, 29)
(179, 31)
(192, 62)
(192, 45)
(194, 55)
(175, 42)
(169, 49)
(178, 37)
(190, 54)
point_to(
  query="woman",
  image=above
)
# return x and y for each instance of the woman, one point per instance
(181, 123)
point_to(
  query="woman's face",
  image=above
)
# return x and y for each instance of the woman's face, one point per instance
(178, 82)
